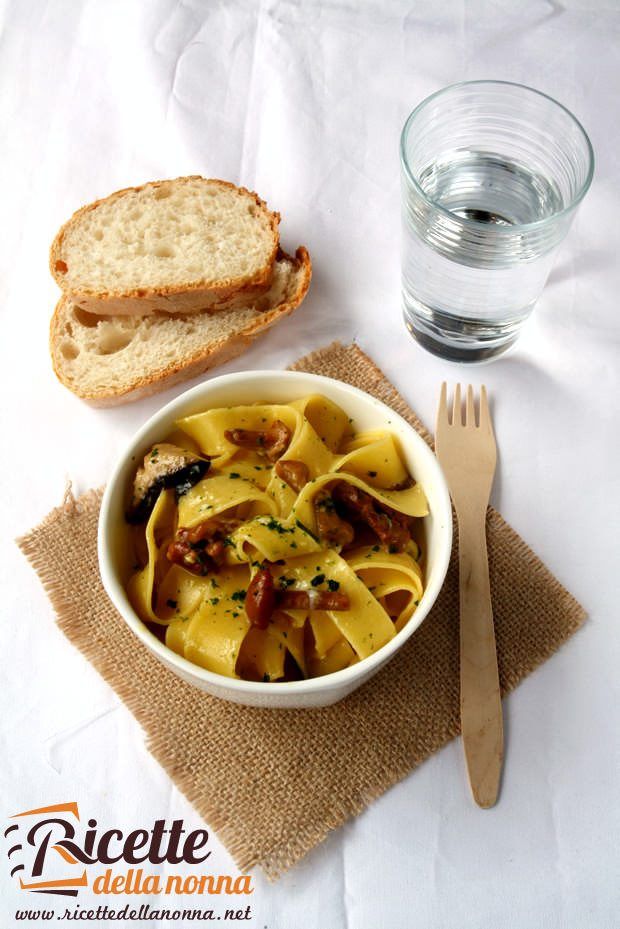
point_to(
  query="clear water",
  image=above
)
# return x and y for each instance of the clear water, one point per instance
(490, 188)
(468, 299)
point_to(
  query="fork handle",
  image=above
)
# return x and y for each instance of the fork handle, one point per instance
(481, 705)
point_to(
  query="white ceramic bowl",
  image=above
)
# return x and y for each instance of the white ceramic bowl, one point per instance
(275, 387)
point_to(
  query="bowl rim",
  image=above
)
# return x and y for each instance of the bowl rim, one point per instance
(116, 592)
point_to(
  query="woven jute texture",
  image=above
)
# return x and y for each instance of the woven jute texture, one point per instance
(273, 783)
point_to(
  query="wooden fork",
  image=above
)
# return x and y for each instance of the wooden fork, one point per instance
(467, 454)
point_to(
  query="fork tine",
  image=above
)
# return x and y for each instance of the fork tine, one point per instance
(457, 416)
(485, 416)
(470, 412)
(442, 409)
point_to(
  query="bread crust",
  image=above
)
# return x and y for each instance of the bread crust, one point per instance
(178, 303)
(201, 361)
(140, 301)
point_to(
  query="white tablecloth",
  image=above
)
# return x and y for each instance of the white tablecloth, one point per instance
(304, 102)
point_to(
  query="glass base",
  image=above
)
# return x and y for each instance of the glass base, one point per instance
(453, 338)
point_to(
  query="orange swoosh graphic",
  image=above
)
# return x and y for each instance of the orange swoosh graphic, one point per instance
(57, 808)
(71, 882)
(64, 854)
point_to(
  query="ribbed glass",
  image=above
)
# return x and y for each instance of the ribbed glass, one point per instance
(492, 174)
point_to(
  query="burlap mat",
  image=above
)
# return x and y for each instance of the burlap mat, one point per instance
(273, 783)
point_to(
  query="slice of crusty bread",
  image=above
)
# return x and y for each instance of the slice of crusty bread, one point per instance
(113, 360)
(176, 245)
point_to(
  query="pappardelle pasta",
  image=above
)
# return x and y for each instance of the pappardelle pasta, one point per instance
(273, 542)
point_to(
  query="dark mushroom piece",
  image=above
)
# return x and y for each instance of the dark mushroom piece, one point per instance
(165, 466)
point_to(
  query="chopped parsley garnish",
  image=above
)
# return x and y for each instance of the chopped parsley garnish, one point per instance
(172, 604)
(275, 526)
(233, 475)
(333, 585)
(371, 473)
(214, 601)
(239, 595)
(286, 582)
(305, 529)
(317, 580)
(266, 679)
(375, 548)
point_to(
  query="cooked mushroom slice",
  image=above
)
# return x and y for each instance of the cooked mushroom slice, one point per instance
(273, 442)
(391, 527)
(262, 599)
(165, 466)
(293, 473)
(202, 548)
(197, 550)
(331, 528)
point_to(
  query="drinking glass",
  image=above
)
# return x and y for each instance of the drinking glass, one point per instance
(492, 174)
